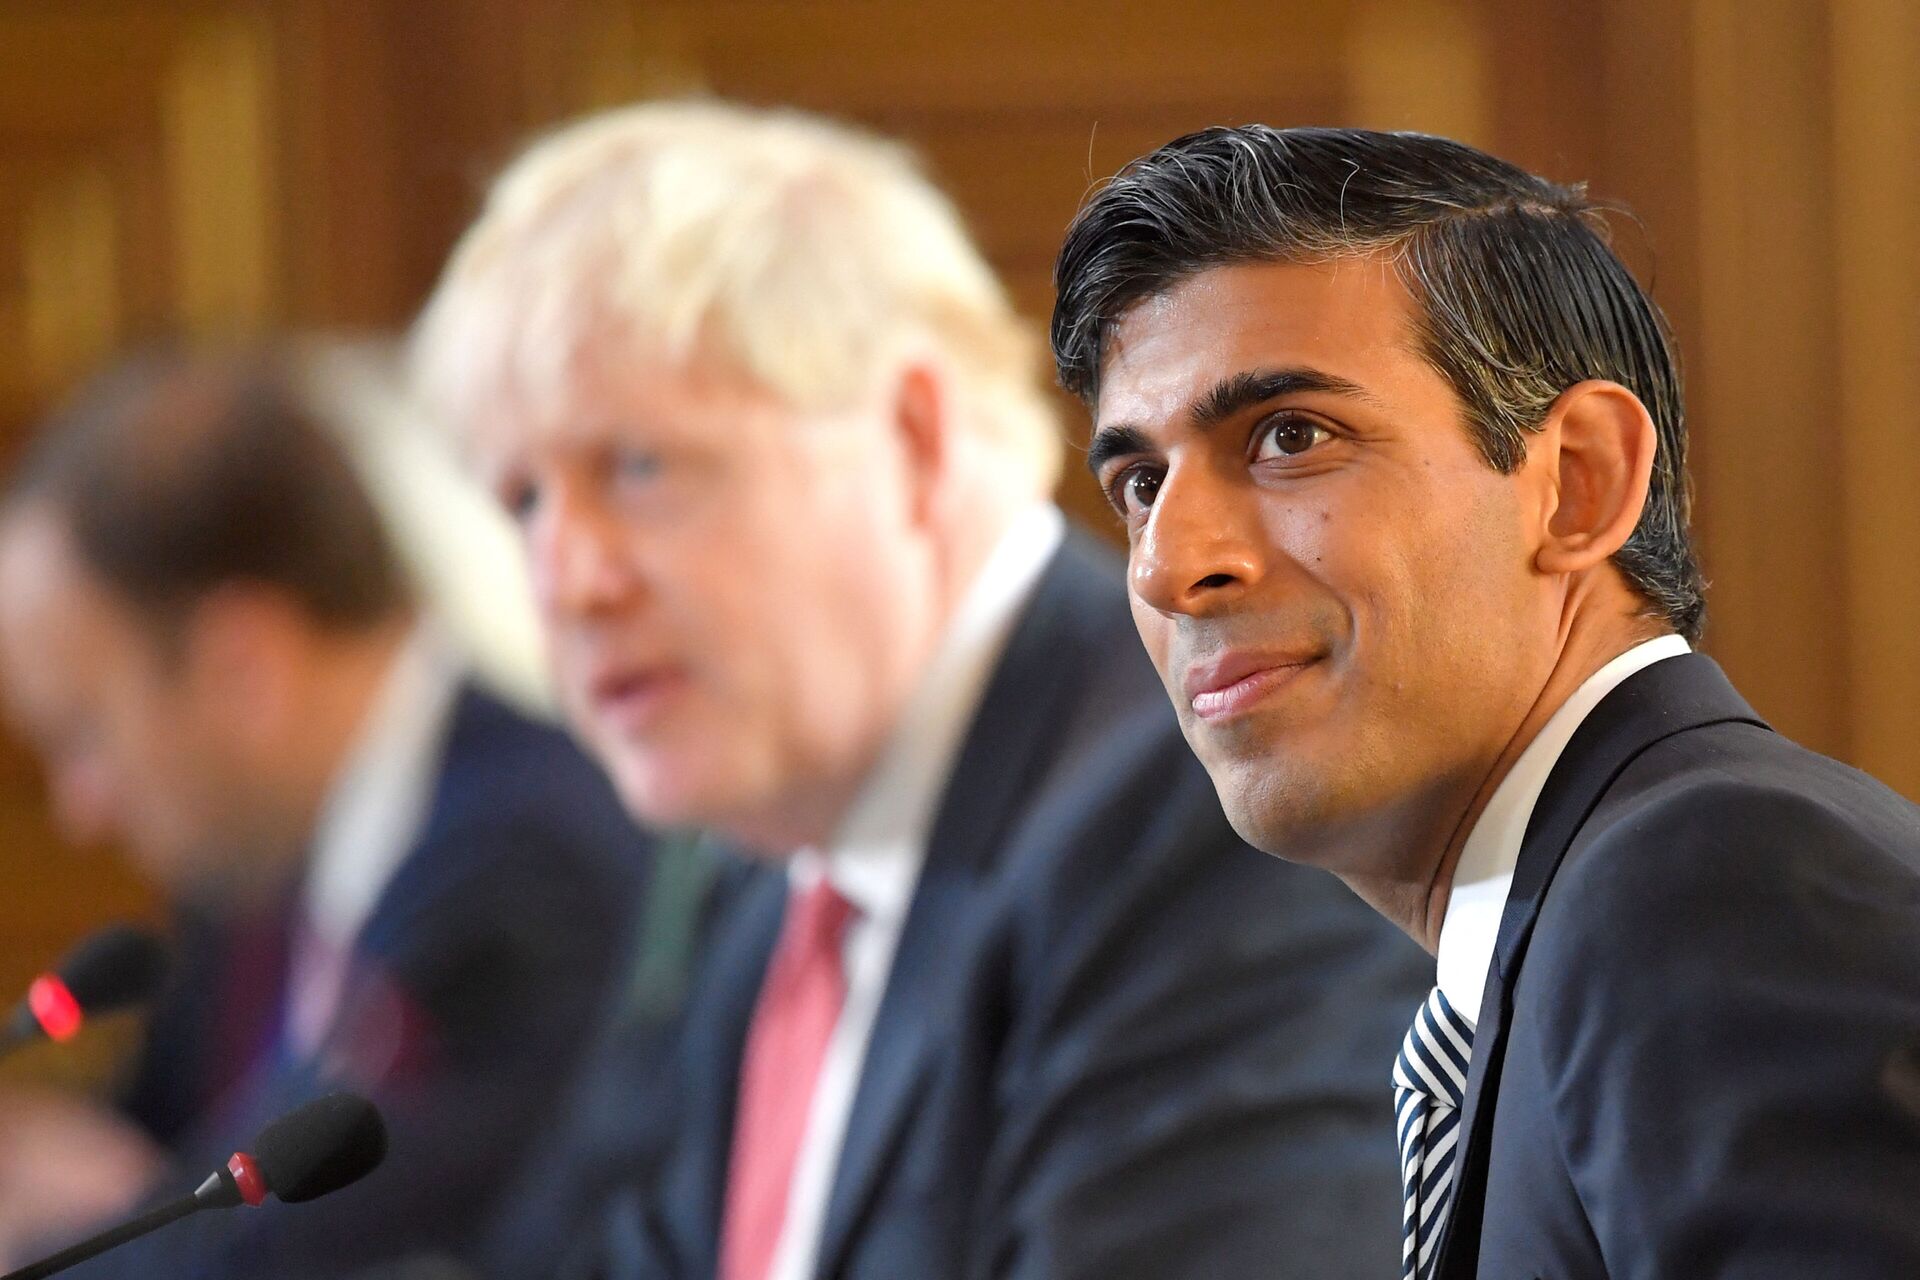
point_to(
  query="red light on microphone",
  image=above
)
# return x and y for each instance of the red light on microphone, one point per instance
(247, 1177)
(54, 1007)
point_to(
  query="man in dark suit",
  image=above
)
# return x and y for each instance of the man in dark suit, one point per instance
(1005, 996)
(1399, 445)
(392, 881)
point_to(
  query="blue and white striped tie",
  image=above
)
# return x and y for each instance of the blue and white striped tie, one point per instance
(1429, 1080)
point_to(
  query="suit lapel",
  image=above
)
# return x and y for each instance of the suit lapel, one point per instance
(900, 1056)
(999, 765)
(1669, 697)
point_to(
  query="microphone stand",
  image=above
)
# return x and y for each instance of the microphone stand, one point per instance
(220, 1191)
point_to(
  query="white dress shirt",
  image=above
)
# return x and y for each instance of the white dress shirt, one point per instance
(368, 823)
(875, 856)
(1484, 875)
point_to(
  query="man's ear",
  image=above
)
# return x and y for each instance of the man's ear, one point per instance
(1600, 444)
(922, 415)
(239, 650)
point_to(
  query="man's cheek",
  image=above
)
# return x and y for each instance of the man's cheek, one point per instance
(571, 686)
(1156, 635)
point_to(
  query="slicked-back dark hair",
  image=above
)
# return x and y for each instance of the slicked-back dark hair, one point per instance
(177, 473)
(1518, 292)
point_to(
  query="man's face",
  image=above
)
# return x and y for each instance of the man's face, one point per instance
(134, 749)
(738, 596)
(1337, 588)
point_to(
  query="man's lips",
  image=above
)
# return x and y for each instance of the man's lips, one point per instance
(631, 697)
(1235, 681)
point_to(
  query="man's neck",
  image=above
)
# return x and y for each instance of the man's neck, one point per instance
(345, 681)
(1417, 902)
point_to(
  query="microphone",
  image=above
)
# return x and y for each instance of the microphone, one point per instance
(307, 1153)
(117, 967)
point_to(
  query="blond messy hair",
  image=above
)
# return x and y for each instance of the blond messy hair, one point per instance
(802, 252)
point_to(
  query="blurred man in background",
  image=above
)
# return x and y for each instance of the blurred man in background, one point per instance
(1008, 997)
(390, 881)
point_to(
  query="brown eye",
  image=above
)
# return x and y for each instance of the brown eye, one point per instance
(1134, 490)
(1288, 435)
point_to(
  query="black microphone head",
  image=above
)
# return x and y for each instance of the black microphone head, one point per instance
(321, 1147)
(116, 967)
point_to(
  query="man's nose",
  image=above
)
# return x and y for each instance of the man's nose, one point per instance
(576, 551)
(1200, 549)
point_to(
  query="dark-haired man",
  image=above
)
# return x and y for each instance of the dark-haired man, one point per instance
(393, 882)
(1398, 442)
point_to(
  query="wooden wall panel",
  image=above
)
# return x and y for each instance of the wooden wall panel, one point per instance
(1874, 66)
(344, 207)
(70, 269)
(1422, 65)
(1080, 59)
(218, 112)
(1763, 359)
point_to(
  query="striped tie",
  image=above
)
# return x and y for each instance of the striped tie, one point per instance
(1429, 1080)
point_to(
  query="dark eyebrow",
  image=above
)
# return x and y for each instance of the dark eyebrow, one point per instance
(1257, 386)
(1225, 399)
(1114, 442)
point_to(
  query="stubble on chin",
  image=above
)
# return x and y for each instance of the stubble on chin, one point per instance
(1302, 809)
(1274, 809)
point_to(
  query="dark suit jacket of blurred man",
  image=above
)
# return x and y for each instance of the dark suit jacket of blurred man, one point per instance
(1614, 1128)
(470, 997)
(1115, 1041)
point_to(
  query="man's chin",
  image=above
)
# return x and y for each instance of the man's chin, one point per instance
(668, 792)
(656, 798)
(1284, 812)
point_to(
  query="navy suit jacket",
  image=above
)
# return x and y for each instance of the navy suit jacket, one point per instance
(1116, 1042)
(1694, 1056)
(474, 989)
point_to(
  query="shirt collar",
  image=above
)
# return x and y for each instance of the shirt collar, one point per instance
(1478, 898)
(874, 857)
(380, 791)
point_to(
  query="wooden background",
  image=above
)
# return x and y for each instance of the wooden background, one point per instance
(253, 165)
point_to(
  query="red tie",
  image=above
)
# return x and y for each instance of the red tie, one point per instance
(799, 1006)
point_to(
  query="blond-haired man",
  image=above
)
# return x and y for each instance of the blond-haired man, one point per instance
(1008, 997)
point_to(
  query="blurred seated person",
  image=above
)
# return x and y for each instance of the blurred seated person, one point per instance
(388, 879)
(1005, 996)
(619, 1120)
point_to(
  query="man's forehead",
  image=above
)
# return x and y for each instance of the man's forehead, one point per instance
(1351, 317)
(605, 388)
(703, 404)
(56, 606)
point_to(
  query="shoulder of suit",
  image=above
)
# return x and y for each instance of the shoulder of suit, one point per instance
(521, 787)
(493, 743)
(1728, 838)
(1128, 840)
(1075, 650)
